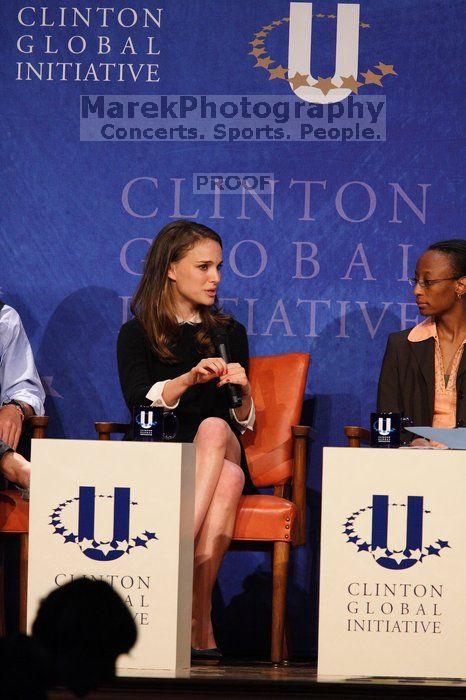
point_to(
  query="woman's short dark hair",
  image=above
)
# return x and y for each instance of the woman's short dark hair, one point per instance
(456, 249)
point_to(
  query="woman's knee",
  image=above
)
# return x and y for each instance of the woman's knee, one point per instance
(214, 431)
(232, 478)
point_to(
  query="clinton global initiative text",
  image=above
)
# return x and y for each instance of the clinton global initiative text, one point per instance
(90, 72)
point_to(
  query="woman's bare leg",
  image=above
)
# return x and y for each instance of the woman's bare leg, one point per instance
(16, 469)
(216, 528)
(214, 443)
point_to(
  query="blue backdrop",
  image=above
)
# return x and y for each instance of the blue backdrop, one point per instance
(319, 266)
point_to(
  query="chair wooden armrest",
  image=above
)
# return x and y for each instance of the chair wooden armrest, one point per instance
(355, 435)
(37, 425)
(106, 428)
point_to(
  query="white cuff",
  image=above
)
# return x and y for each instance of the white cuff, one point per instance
(247, 423)
(155, 395)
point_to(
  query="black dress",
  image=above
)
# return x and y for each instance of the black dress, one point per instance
(140, 368)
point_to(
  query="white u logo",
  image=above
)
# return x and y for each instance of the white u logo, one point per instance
(384, 430)
(147, 423)
(346, 55)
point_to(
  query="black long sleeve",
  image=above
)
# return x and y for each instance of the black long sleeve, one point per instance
(388, 395)
(135, 364)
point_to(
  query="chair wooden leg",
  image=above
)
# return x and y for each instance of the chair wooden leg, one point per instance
(281, 555)
(2, 590)
(287, 648)
(23, 581)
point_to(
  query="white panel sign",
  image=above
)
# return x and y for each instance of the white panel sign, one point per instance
(120, 512)
(393, 563)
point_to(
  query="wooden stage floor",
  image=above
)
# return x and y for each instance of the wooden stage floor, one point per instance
(247, 679)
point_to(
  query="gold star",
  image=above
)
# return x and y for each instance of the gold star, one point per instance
(256, 42)
(365, 25)
(268, 27)
(298, 80)
(386, 69)
(278, 72)
(331, 16)
(263, 62)
(258, 34)
(319, 14)
(257, 52)
(285, 19)
(372, 78)
(324, 84)
(277, 22)
(350, 83)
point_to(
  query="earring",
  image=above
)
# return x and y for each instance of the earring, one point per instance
(460, 296)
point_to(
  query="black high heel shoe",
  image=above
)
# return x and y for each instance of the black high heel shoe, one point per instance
(206, 654)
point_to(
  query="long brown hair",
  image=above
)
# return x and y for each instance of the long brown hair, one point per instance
(153, 303)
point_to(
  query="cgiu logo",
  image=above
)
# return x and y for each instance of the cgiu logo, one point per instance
(368, 529)
(300, 51)
(346, 79)
(146, 419)
(79, 513)
(383, 426)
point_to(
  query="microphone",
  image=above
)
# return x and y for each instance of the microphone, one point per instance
(220, 341)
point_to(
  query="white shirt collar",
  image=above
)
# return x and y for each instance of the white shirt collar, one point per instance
(195, 318)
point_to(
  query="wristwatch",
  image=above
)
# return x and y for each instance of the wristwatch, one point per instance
(18, 404)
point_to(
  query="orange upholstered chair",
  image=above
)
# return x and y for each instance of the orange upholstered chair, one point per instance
(14, 520)
(276, 454)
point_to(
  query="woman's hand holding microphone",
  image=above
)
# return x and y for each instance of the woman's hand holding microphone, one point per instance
(231, 373)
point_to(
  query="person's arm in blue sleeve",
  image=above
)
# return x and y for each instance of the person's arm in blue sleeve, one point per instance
(19, 379)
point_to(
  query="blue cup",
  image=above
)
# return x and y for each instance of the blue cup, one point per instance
(387, 429)
(152, 424)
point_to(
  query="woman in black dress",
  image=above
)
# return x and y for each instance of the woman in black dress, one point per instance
(166, 358)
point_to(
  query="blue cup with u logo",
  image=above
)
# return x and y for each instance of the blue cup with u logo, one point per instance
(385, 429)
(154, 424)
(388, 429)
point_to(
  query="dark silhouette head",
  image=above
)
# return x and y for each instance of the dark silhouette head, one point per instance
(84, 626)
